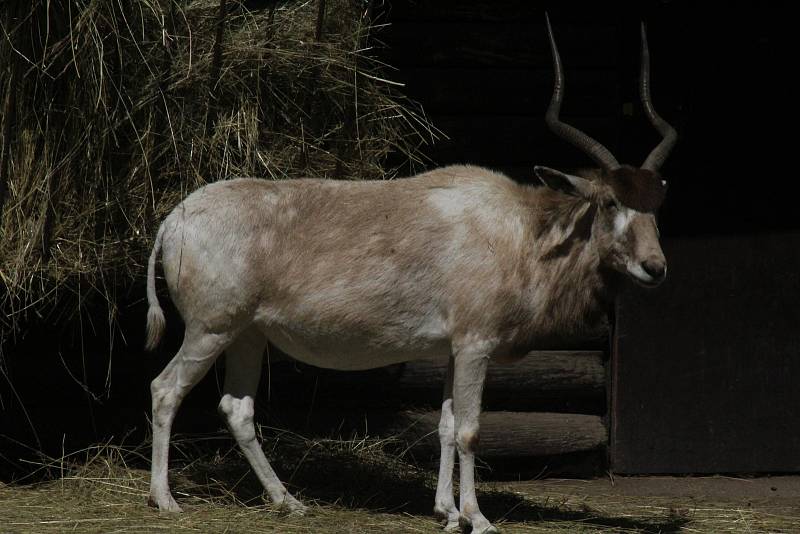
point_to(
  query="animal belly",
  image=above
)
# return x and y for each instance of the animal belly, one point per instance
(353, 354)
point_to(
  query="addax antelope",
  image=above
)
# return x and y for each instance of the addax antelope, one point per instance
(459, 264)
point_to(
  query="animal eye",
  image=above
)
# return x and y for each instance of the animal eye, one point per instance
(610, 205)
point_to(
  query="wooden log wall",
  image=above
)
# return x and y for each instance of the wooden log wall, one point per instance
(548, 403)
(519, 434)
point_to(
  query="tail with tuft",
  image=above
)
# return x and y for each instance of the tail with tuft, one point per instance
(155, 315)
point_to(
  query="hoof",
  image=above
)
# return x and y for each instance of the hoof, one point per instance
(452, 526)
(488, 529)
(448, 517)
(293, 506)
(477, 527)
(164, 505)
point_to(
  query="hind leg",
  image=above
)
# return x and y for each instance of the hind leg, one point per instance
(242, 372)
(195, 357)
(445, 507)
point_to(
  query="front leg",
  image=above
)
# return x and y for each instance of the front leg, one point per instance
(445, 507)
(471, 361)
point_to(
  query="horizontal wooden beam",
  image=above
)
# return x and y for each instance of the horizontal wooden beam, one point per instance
(560, 381)
(515, 434)
(538, 373)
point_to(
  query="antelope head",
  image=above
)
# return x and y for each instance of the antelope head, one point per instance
(626, 198)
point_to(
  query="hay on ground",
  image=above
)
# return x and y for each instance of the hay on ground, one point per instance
(351, 485)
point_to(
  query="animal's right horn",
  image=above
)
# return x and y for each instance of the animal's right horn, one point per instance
(669, 136)
(600, 154)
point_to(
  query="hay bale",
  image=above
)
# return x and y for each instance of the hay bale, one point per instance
(112, 112)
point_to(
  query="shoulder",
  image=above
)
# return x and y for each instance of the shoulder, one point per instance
(466, 175)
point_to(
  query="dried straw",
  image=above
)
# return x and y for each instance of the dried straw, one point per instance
(351, 486)
(113, 111)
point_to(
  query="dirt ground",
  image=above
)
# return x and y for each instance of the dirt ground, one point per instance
(633, 504)
(357, 486)
(673, 504)
(752, 491)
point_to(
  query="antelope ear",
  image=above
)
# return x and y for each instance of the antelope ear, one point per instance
(566, 183)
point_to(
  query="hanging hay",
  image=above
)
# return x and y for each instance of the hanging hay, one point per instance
(113, 111)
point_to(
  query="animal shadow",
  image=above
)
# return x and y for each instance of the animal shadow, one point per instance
(333, 473)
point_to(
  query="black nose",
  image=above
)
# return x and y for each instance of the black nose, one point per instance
(655, 268)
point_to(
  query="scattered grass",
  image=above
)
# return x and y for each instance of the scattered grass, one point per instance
(352, 486)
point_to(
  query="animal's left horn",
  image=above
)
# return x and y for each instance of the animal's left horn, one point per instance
(592, 148)
(669, 136)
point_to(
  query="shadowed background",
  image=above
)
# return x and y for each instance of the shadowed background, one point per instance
(704, 371)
